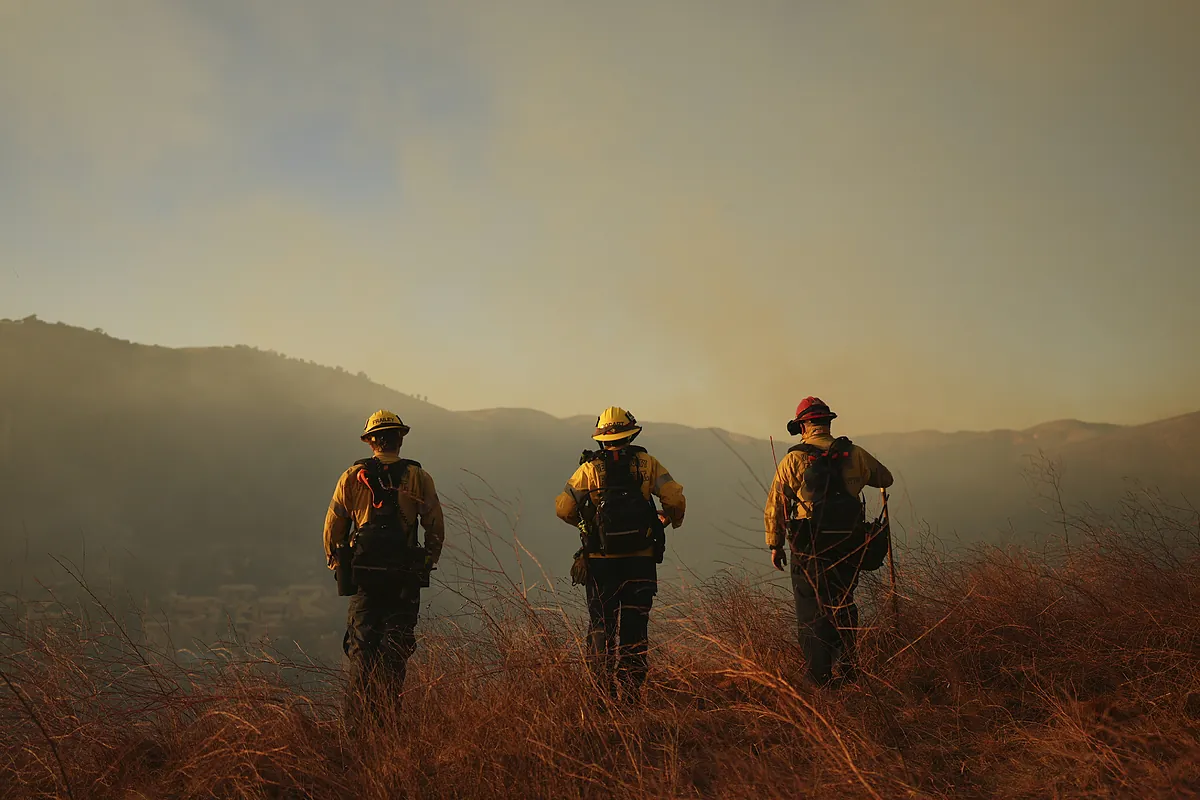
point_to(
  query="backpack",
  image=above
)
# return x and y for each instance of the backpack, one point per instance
(835, 527)
(623, 520)
(385, 554)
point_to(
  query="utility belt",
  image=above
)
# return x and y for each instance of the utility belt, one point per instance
(805, 538)
(381, 560)
(654, 536)
(864, 543)
(592, 544)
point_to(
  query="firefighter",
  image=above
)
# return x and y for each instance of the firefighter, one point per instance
(610, 498)
(814, 510)
(371, 542)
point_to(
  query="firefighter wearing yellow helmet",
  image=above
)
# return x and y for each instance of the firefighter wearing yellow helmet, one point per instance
(610, 499)
(371, 543)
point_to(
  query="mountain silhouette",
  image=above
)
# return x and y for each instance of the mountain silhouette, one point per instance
(180, 469)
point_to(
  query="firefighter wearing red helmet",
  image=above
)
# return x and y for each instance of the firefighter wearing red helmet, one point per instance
(814, 510)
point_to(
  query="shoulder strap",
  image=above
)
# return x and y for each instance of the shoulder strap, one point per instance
(371, 476)
(840, 448)
(373, 464)
(596, 455)
(630, 475)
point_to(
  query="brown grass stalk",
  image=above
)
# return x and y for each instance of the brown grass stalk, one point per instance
(1014, 673)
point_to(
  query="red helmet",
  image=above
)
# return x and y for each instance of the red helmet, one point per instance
(813, 408)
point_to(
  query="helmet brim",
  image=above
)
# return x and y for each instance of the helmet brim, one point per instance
(404, 429)
(617, 436)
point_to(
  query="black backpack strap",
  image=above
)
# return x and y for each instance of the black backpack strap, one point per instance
(373, 465)
(402, 468)
(812, 452)
(838, 455)
(371, 475)
(812, 455)
(840, 448)
(596, 455)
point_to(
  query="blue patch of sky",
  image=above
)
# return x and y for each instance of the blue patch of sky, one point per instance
(314, 145)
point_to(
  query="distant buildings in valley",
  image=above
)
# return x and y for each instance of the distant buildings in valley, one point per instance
(306, 613)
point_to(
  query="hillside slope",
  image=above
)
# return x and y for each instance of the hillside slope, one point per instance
(183, 469)
(986, 485)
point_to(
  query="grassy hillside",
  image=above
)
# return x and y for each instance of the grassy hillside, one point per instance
(197, 479)
(1073, 673)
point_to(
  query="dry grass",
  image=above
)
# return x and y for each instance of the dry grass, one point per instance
(1067, 672)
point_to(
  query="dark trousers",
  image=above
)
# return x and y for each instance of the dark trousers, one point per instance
(380, 638)
(620, 592)
(826, 616)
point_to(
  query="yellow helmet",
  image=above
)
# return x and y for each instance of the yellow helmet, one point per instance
(383, 420)
(615, 423)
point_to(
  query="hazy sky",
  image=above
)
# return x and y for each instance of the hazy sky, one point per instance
(931, 214)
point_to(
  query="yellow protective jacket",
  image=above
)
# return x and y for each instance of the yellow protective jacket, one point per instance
(656, 481)
(418, 500)
(861, 470)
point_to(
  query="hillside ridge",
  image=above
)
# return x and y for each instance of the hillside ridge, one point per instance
(193, 469)
(1066, 427)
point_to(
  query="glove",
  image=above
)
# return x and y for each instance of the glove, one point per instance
(579, 568)
(778, 558)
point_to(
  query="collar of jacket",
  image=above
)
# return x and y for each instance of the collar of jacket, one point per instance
(821, 438)
(387, 458)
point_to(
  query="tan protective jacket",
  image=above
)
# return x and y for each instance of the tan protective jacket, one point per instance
(418, 499)
(861, 470)
(655, 480)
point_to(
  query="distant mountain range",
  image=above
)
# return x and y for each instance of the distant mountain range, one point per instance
(180, 469)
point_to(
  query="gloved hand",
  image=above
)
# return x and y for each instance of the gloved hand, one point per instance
(778, 558)
(579, 568)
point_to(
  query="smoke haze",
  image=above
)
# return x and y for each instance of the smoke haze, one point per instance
(936, 216)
